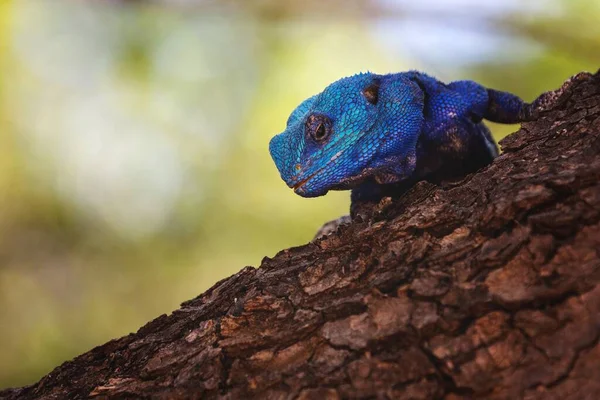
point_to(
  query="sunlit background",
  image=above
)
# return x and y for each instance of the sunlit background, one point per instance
(134, 165)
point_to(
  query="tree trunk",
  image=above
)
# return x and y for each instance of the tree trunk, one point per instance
(485, 288)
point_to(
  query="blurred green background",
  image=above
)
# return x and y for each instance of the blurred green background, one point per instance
(134, 165)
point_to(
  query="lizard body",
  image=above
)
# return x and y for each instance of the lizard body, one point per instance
(374, 133)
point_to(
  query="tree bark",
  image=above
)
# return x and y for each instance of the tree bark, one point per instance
(483, 288)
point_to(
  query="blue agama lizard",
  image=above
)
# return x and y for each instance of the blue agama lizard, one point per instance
(374, 133)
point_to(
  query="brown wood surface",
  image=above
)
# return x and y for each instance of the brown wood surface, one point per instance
(486, 288)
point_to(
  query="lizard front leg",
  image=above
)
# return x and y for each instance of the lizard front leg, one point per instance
(394, 175)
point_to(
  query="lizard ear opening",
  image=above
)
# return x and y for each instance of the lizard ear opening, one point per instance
(371, 92)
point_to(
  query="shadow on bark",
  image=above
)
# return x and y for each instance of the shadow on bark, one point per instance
(486, 288)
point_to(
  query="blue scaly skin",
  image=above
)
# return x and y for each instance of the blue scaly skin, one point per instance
(378, 134)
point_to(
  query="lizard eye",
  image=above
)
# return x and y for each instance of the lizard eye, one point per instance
(318, 127)
(320, 133)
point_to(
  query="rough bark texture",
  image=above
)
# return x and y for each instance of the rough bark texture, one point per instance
(488, 288)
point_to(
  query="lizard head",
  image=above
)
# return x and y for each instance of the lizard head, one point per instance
(318, 150)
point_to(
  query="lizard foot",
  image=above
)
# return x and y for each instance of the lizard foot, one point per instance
(330, 227)
(549, 100)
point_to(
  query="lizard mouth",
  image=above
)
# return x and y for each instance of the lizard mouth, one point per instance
(305, 180)
(308, 178)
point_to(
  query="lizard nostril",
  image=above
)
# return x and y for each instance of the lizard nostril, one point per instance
(298, 167)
